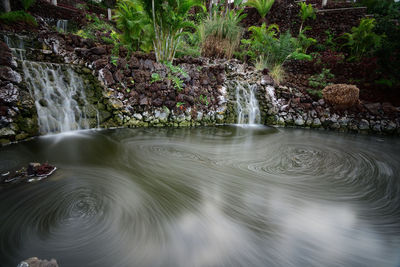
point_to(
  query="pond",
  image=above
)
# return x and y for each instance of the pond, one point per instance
(217, 196)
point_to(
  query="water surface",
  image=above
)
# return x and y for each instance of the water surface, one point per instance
(223, 196)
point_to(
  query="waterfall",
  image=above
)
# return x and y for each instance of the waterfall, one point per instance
(248, 111)
(59, 96)
(62, 25)
(16, 45)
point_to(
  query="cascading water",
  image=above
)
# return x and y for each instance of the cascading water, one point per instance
(248, 111)
(58, 91)
(59, 96)
(17, 46)
(62, 25)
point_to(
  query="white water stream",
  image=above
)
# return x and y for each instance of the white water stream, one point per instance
(59, 96)
(248, 111)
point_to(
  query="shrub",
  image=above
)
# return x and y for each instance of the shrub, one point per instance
(220, 34)
(95, 25)
(267, 50)
(15, 16)
(341, 96)
(362, 41)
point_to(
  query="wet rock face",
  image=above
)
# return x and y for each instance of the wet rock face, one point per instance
(8, 74)
(9, 93)
(5, 55)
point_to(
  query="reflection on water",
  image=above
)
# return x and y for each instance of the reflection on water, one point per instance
(225, 196)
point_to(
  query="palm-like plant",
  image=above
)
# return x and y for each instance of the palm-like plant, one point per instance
(135, 25)
(262, 6)
(169, 19)
(306, 12)
(163, 22)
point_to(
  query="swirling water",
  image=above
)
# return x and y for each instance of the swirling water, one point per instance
(224, 196)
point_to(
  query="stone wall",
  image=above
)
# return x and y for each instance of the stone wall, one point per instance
(136, 91)
(18, 118)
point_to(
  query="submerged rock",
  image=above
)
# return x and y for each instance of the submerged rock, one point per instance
(34, 172)
(35, 262)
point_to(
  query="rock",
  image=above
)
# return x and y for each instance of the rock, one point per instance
(363, 125)
(106, 77)
(35, 262)
(98, 50)
(341, 96)
(299, 121)
(9, 93)
(118, 76)
(373, 108)
(388, 108)
(316, 123)
(377, 127)
(157, 102)
(267, 80)
(6, 73)
(100, 63)
(144, 101)
(6, 132)
(138, 116)
(389, 127)
(161, 115)
(116, 103)
(21, 136)
(321, 102)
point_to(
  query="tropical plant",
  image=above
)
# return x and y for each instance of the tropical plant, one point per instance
(306, 12)
(163, 22)
(304, 42)
(135, 24)
(362, 41)
(220, 34)
(26, 4)
(189, 45)
(266, 49)
(262, 6)
(169, 19)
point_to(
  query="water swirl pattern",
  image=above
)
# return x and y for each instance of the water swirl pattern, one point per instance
(223, 196)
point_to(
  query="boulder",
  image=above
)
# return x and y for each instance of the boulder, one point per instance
(341, 96)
